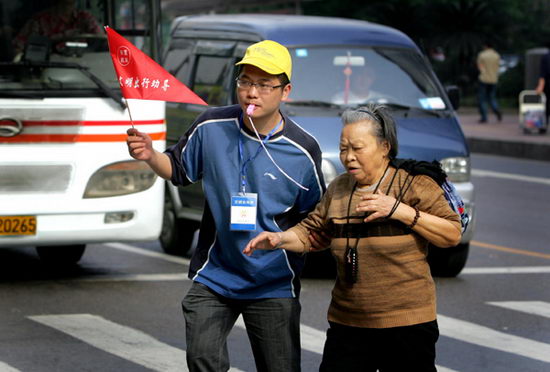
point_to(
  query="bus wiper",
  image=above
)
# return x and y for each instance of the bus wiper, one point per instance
(19, 94)
(85, 70)
(108, 91)
(400, 107)
(313, 103)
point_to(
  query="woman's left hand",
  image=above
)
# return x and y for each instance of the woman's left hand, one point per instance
(379, 204)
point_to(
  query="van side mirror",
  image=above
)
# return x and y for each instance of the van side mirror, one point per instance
(453, 92)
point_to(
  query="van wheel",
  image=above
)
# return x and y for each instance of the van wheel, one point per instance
(448, 262)
(176, 234)
(62, 255)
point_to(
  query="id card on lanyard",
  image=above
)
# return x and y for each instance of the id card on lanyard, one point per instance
(244, 206)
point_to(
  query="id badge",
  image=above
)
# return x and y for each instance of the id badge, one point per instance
(244, 208)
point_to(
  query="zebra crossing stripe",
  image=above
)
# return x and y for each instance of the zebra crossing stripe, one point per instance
(467, 270)
(142, 349)
(7, 368)
(148, 253)
(510, 176)
(122, 341)
(313, 340)
(507, 270)
(539, 308)
(487, 337)
(133, 278)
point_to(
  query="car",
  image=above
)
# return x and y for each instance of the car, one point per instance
(337, 63)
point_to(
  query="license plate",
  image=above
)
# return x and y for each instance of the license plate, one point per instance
(17, 225)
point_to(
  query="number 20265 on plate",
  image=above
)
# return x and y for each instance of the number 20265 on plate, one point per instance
(17, 225)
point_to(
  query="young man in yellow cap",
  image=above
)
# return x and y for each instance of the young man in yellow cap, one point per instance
(250, 186)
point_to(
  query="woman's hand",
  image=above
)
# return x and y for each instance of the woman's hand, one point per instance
(266, 240)
(436, 230)
(380, 205)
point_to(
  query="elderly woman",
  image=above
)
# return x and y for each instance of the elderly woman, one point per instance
(380, 217)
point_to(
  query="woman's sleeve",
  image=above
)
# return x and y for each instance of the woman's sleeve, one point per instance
(316, 220)
(428, 197)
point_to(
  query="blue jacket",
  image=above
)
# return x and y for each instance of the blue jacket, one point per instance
(209, 151)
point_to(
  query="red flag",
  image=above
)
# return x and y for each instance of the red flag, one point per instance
(142, 78)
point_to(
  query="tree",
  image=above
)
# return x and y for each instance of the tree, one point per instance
(459, 27)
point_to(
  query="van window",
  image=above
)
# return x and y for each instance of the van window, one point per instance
(211, 79)
(178, 59)
(354, 76)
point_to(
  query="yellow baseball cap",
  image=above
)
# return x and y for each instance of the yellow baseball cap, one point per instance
(269, 56)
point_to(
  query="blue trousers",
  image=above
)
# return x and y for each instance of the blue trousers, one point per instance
(272, 325)
(487, 94)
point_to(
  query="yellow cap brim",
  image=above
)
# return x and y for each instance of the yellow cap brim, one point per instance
(263, 64)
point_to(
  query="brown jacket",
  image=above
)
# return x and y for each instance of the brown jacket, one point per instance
(394, 286)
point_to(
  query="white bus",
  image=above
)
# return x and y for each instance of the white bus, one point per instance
(66, 179)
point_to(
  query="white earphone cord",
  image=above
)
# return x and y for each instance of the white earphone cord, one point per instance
(271, 158)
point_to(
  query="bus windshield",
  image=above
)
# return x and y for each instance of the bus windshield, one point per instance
(48, 47)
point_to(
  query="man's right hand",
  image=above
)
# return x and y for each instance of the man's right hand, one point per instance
(140, 145)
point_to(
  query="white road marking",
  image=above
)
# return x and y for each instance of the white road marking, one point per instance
(122, 341)
(133, 278)
(507, 270)
(313, 340)
(443, 369)
(185, 261)
(487, 337)
(7, 368)
(539, 308)
(167, 277)
(146, 252)
(510, 176)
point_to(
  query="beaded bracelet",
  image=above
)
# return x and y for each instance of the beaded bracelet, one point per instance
(416, 216)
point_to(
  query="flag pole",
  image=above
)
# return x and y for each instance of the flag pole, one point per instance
(129, 112)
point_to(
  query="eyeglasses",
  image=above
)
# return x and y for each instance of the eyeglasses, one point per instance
(262, 88)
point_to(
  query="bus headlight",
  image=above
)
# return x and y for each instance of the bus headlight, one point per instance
(122, 178)
(329, 171)
(458, 169)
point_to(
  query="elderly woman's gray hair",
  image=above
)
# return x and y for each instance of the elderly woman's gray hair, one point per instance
(382, 123)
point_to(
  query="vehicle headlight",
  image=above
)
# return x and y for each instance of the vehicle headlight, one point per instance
(329, 171)
(122, 178)
(458, 169)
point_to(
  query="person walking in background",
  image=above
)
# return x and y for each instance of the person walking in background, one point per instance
(488, 63)
(543, 85)
(246, 193)
(381, 214)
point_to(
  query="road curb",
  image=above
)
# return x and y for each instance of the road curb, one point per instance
(516, 149)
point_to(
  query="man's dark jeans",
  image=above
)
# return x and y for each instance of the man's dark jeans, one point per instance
(272, 325)
(487, 93)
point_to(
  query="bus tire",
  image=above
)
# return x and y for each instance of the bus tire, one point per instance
(448, 262)
(62, 255)
(176, 234)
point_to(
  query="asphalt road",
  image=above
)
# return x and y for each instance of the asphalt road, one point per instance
(119, 309)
